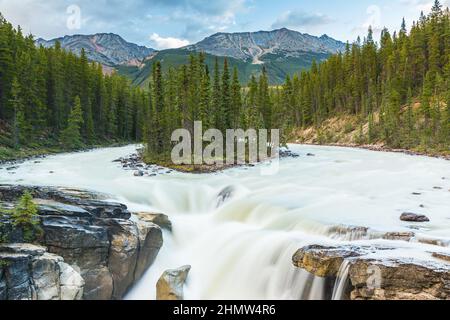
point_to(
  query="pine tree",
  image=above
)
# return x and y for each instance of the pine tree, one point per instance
(226, 103)
(217, 97)
(205, 100)
(71, 136)
(21, 128)
(236, 99)
(25, 217)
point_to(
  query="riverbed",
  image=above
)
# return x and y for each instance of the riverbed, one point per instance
(242, 247)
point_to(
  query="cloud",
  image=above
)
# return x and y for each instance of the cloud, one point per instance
(295, 19)
(424, 5)
(373, 20)
(134, 20)
(214, 7)
(167, 43)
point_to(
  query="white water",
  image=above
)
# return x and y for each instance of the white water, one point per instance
(244, 248)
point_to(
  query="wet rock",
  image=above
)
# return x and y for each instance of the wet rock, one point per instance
(434, 242)
(123, 254)
(323, 261)
(288, 154)
(28, 272)
(224, 195)
(159, 219)
(441, 256)
(399, 236)
(378, 279)
(170, 285)
(97, 238)
(413, 217)
(150, 242)
(399, 280)
(139, 173)
(349, 233)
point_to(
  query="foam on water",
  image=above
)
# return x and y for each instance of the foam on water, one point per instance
(243, 249)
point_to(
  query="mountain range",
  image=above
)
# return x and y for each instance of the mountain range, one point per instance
(283, 52)
(106, 48)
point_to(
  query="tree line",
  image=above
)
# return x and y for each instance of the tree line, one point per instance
(399, 86)
(51, 96)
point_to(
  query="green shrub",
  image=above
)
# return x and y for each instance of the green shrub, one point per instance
(25, 216)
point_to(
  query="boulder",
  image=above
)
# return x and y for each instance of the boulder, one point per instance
(224, 195)
(413, 217)
(170, 285)
(399, 236)
(344, 232)
(139, 173)
(159, 219)
(441, 256)
(323, 261)
(150, 242)
(388, 278)
(409, 279)
(28, 272)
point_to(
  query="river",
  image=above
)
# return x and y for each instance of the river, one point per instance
(242, 248)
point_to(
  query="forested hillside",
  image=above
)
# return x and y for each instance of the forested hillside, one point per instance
(40, 90)
(396, 92)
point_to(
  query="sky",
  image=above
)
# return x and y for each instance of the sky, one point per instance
(163, 24)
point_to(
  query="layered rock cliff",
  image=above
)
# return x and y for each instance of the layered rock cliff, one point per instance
(97, 238)
(377, 272)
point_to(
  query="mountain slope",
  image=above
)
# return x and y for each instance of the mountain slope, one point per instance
(106, 48)
(282, 52)
(277, 68)
(254, 46)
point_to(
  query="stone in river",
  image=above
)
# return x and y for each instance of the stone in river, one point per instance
(170, 285)
(139, 173)
(412, 217)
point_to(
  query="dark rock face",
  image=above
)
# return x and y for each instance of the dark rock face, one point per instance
(224, 195)
(95, 237)
(412, 217)
(28, 272)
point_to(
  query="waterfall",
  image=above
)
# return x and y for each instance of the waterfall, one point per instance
(341, 281)
(239, 230)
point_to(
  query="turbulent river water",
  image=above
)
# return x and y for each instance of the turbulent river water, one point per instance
(242, 248)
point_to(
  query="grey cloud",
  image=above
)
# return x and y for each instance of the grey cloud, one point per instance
(135, 20)
(293, 19)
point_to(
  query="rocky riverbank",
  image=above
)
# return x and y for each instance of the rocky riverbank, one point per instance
(140, 168)
(93, 248)
(377, 272)
(383, 148)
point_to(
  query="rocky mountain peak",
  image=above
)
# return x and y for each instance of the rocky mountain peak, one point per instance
(106, 48)
(252, 46)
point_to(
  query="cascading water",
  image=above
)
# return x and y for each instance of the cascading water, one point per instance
(341, 282)
(239, 229)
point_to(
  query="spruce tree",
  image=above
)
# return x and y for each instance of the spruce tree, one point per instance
(71, 135)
